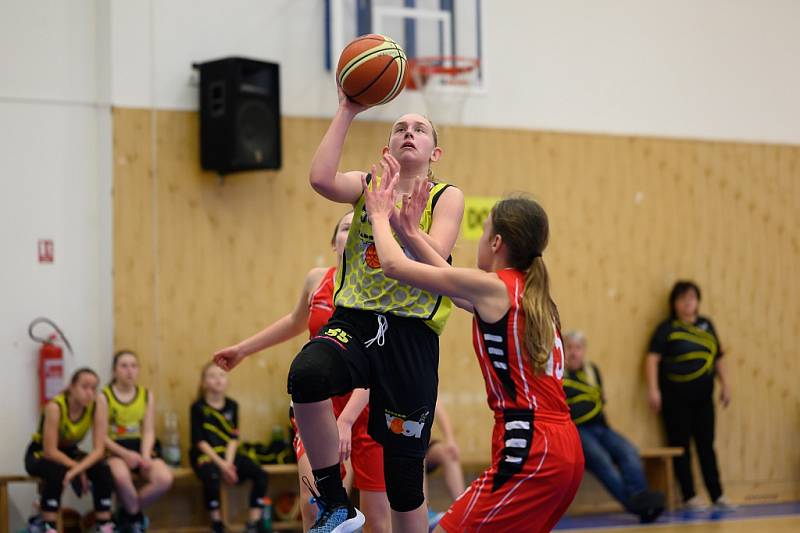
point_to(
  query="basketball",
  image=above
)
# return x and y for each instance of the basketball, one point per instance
(372, 70)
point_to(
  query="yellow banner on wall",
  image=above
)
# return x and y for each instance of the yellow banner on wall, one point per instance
(476, 209)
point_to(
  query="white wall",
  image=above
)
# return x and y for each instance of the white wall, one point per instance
(55, 182)
(722, 69)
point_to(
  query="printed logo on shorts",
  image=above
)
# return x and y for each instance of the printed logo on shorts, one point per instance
(339, 334)
(406, 425)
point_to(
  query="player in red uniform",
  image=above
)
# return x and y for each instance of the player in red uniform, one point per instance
(313, 311)
(537, 460)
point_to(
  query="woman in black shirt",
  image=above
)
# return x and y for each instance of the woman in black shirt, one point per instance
(684, 357)
(214, 455)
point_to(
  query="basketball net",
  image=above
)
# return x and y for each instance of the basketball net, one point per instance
(445, 82)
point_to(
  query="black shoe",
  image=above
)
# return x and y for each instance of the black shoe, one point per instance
(648, 505)
(217, 527)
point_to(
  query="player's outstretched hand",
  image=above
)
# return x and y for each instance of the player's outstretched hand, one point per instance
(413, 206)
(347, 104)
(228, 358)
(379, 197)
(345, 440)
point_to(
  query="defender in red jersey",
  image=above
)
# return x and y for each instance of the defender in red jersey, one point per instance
(313, 311)
(537, 460)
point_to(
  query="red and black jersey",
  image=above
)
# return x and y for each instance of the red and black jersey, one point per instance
(537, 460)
(320, 305)
(511, 382)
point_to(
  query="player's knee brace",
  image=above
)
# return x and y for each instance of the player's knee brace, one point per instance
(308, 380)
(404, 478)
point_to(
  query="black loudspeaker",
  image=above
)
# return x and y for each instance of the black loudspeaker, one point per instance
(240, 115)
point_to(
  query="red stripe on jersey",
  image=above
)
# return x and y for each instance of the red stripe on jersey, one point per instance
(518, 351)
(320, 304)
(511, 382)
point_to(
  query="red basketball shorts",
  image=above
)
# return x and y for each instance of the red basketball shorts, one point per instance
(531, 481)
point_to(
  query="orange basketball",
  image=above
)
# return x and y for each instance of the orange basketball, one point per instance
(372, 70)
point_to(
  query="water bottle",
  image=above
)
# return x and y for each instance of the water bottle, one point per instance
(266, 515)
(172, 445)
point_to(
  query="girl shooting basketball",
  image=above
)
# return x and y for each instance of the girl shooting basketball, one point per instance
(131, 442)
(537, 462)
(383, 334)
(54, 456)
(312, 311)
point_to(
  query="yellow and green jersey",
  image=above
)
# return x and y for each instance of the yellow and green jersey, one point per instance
(125, 419)
(361, 284)
(688, 351)
(584, 391)
(215, 426)
(70, 432)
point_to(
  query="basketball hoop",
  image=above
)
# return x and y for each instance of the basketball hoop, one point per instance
(444, 82)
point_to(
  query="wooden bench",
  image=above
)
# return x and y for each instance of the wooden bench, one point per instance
(178, 473)
(657, 465)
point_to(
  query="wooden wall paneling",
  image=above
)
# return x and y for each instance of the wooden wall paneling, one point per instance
(628, 216)
(133, 246)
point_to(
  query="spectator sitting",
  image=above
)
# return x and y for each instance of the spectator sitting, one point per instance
(609, 456)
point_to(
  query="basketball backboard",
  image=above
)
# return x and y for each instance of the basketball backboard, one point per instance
(424, 28)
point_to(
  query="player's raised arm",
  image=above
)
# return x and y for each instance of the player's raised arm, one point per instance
(324, 176)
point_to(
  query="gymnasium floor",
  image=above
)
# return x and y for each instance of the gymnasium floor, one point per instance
(772, 518)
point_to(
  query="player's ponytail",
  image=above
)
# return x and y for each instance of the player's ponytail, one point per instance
(540, 314)
(523, 225)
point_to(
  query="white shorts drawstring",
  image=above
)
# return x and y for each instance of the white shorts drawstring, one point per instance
(383, 327)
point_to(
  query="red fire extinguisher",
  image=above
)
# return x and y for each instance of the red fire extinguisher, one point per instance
(51, 361)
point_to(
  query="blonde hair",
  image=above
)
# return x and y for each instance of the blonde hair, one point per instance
(201, 390)
(523, 225)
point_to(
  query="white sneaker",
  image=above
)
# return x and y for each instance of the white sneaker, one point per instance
(724, 505)
(695, 504)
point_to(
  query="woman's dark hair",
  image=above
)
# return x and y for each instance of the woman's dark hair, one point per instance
(523, 225)
(77, 375)
(680, 288)
(81, 371)
(336, 228)
(117, 356)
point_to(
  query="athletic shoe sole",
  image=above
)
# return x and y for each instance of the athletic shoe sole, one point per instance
(351, 524)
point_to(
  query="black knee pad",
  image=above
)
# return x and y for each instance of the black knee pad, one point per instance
(102, 485)
(317, 373)
(404, 478)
